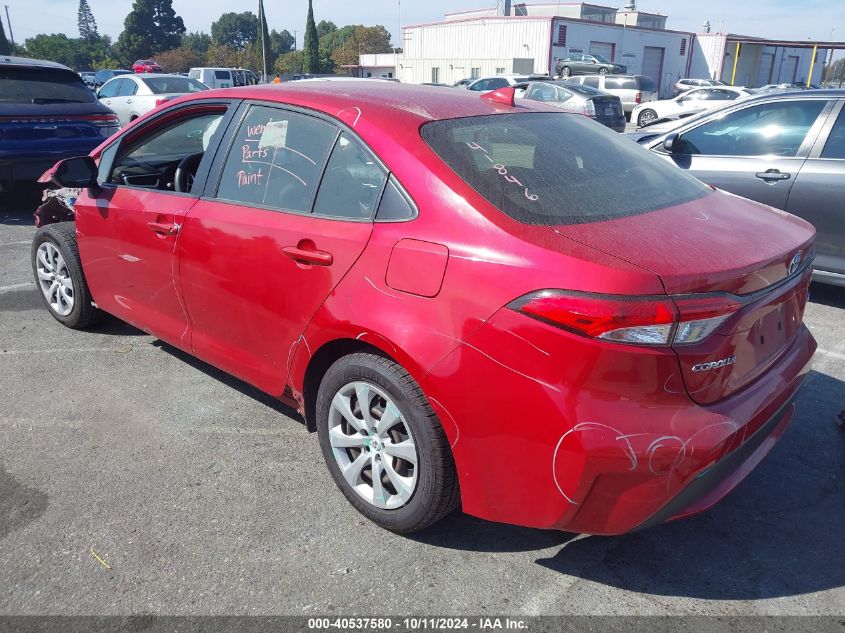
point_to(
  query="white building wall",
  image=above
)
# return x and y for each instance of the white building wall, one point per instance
(458, 47)
(629, 47)
(707, 56)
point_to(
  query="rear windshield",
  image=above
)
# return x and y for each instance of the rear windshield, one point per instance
(169, 85)
(647, 83)
(553, 169)
(42, 85)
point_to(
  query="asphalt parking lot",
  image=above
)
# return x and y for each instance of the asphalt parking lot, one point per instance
(202, 496)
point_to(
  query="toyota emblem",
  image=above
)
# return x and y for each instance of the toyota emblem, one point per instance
(794, 263)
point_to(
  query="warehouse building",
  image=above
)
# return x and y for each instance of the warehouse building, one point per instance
(530, 38)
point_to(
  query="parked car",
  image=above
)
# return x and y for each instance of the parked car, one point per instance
(682, 85)
(102, 76)
(88, 77)
(130, 96)
(601, 107)
(695, 99)
(46, 113)
(463, 83)
(508, 308)
(488, 84)
(218, 77)
(632, 90)
(784, 150)
(147, 66)
(577, 64)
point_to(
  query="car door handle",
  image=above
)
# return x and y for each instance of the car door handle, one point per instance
(772, 175)
(129, 101)
(309, 256)
(165, 228)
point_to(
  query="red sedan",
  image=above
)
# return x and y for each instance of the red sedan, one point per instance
(507, 308)
(147, 66)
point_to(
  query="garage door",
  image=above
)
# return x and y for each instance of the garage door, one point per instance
(789, 69)
(523, 66)
(653, 64)
(764, 75)
(605, 49)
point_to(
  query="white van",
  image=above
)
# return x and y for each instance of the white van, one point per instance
(223, 77)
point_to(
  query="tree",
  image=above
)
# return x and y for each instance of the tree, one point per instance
(235, 30)
(151, 27)
(364, 40)
(281, 43)
(325, 27)
(85, 22)
(5, 47)
(265, 44)
(58, 47)
(311, 44)
(180, 60)
(289, 63)
(221, 56)
(197, 42)
(330, 42)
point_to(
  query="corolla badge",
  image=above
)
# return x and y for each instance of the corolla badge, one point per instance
(716, 364)
(795, 262)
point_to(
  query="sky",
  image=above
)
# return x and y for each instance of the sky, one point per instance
(793, 19)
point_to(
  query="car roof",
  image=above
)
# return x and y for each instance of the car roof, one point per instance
(26, 61)
(382, 104)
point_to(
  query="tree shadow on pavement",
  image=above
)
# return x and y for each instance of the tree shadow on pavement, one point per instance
(778, 534)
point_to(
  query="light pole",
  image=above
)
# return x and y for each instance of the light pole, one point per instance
(11, 35)
(829, 59)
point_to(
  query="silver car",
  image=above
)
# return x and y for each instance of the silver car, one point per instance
(130, 96)
(785, 150)
(632, 90)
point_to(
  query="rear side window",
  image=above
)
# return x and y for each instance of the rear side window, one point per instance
(352, 183)
(620, 83)
(776, 129)
(276, 159)
(553, 169)
(221, 74)
(28, 84)
(395, 205)
(835, 146)
(592, 82)
(127, 88)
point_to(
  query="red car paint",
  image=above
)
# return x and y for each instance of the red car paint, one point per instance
(147, 66)
(548, 428)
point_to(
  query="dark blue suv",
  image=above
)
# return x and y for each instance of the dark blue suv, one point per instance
(47, 113)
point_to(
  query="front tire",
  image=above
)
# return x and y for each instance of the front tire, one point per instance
(59, 276)
(566, 71)
(389, 457)
(602, 71)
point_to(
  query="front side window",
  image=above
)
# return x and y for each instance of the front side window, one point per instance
(352, 183)
(152, 160)
(769, 129)
(276, 159)
(110, 89)
(553, 169)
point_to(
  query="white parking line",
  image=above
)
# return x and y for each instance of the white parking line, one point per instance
(829, 354)
(16, 287)
(13, 243)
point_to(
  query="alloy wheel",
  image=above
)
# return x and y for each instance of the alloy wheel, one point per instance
(373, 445)
(54, 279)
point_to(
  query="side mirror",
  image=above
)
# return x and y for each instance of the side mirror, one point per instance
(76, 173)
(670, 143)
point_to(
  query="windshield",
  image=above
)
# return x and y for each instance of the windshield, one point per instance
(554, 169)
(172, 85)
(28, 84)
(602, 59)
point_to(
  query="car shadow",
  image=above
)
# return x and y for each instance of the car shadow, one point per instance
(17, 208)
(230, 381)
(778, 534)
(828, 295)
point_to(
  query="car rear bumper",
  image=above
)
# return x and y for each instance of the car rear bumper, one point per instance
(596, 438)
(15, 169)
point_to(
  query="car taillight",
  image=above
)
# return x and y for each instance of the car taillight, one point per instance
(650, 320)
(638, 98)
(108, 124)
(590, 108)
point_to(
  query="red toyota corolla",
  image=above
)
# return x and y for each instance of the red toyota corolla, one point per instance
(502, 307)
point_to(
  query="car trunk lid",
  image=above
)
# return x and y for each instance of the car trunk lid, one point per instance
(733, 248)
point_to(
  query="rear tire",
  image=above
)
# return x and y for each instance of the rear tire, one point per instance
(409, 494)
(59, 276)
(646, 117)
